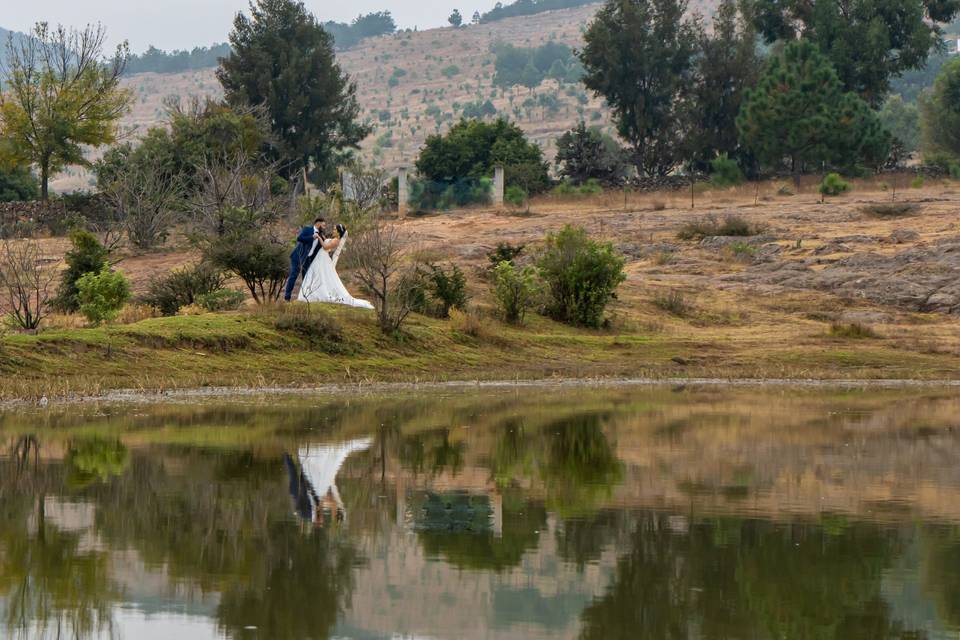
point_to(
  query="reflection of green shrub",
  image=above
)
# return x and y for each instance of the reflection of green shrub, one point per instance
(95, 460)
(582, 467)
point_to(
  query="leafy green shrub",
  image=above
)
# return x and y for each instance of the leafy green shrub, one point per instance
(954, 170)
(918, 182)
(505, 252)
(725, 172)
(582, 276)
(86, 256)
(515, 196)
(591, 187)
(710, 226)
(102, 294)
(259, 261)
(833, 185)
(182, 287)
(674, 302)
(446, 287)
(515, 290)
(221, 300)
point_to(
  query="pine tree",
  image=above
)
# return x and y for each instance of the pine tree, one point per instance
(868, 41)
(283, 61)
(799, 112)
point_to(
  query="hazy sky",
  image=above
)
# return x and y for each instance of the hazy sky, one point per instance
(184, 24)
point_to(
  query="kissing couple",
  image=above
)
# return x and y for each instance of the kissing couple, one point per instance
(312, 260)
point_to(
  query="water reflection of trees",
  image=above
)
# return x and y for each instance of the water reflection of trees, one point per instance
(217, 521)
(748, 578)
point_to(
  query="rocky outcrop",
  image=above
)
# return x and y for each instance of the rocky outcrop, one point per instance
(922, 278)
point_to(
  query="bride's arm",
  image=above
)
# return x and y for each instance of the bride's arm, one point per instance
(331, 243)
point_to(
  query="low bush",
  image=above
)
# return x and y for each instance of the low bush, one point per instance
(221, 300)
(515, 195)
(516, 290)
(85, 256)
(725, 172)
(890, 210)
(471, 322)
(954, 170)
(505, 252)
(918, 182)
(446, 289)
(314, 325)
(742, 251)
(852, 330)
(785, 191)
(261, 262)
(674, 302)
(581, 274)
(833, 185)
(709, 226)
(102, 294)
(182, 287)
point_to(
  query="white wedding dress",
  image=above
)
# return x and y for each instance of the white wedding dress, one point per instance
(322, 284)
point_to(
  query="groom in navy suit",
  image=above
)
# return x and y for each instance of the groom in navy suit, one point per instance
(300, 259)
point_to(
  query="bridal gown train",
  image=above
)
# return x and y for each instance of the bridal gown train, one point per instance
(322, 284)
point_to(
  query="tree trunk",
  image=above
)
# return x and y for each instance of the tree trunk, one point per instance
(796, 173)
(44, 179)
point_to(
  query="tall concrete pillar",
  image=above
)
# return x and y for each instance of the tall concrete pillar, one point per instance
(402, 192)
(498, 187)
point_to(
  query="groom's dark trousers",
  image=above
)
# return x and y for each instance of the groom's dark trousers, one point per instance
(299, 259)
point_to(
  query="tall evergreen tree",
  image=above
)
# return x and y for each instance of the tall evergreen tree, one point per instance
(728, 66)
(868, 41)
(283, 60)
(639, 56)
(800, 112)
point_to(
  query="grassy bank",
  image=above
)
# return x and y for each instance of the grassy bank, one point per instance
(308, 347)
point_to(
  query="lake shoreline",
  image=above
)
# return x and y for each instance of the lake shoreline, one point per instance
(142, 396)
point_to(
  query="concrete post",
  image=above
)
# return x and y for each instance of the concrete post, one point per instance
(498, 187)
(402, 193)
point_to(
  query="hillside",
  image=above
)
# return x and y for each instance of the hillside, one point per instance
(437, 72)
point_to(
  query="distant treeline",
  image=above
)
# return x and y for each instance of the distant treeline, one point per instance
(529, 7)
(368, 26)
(344, 35)
(156, 61)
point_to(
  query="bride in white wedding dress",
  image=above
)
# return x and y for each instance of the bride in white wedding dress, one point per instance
(321, 282)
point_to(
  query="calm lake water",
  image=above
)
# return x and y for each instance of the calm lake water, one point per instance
(573, 513)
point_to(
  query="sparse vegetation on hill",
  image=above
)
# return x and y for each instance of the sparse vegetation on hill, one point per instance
(528, 7)
(154, 60)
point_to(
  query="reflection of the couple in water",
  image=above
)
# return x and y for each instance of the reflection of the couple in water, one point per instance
(313, 482)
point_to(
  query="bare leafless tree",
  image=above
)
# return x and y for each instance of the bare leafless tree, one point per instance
(146, 200)
(364, 185)
(382, 263)
(226, 184)
(26, 281)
